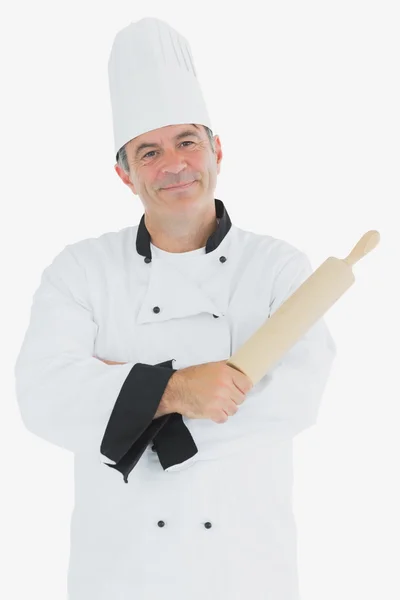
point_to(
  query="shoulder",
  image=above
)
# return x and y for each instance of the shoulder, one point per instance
(275, 253)
(96, 251)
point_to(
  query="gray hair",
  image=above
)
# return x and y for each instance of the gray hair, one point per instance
(122, 159)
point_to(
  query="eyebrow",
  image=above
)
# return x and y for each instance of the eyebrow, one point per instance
(181, 135)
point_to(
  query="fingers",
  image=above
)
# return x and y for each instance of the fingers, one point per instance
(243, 385)
(232, 408)
(109, 362)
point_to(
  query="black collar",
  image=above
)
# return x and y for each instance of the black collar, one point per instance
(223, 226)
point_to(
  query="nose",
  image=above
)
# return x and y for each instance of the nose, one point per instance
(173, 162)
(174, 168)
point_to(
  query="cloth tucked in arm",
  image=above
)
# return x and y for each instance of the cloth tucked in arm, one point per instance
(141, 394)
(172, 440)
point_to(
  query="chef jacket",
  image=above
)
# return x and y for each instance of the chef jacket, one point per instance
(171, 507)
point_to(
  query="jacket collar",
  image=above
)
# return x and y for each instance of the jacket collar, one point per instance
(223, 226)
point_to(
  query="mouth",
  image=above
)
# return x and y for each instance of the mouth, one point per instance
(179, 187)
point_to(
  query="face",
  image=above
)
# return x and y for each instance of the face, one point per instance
(171, 156)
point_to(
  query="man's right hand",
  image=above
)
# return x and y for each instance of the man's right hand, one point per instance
(208, 391)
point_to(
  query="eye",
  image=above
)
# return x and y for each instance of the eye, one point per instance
(152, 151)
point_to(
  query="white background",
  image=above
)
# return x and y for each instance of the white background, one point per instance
(305, 98)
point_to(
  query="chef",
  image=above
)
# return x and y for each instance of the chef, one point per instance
(183, 469)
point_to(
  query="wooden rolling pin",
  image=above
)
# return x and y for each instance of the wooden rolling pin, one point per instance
(299, 312)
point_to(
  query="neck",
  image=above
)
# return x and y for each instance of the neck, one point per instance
(180, 233)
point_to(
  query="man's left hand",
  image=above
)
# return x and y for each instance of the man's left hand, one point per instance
(109, 362)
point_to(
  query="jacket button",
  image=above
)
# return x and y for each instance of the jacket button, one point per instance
(222, 259)
(161, 523)
(156, 309)
(147, 259)
(207, 525)
(216, 316)
(153, 448)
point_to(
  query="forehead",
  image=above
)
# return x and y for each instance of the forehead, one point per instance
(167, 132)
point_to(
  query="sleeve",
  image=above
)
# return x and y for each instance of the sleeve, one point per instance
(291, 393)
(66, 395)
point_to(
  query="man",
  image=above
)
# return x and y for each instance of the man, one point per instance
(125, 358)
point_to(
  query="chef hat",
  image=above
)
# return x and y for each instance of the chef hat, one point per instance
(152, 80)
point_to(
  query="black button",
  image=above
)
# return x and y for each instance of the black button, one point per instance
(207, 525)
(147, 259)
(222, 259)
(156, 309)
(153, 448)
(216, 316)
(161, 523)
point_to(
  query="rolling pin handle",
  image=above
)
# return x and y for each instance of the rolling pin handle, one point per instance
(367, 243)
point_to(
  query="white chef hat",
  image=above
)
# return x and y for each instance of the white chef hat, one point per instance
(153, 82)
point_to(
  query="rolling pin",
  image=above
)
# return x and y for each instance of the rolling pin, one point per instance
(298, 313)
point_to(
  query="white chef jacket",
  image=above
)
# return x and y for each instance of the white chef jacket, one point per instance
(173, 507)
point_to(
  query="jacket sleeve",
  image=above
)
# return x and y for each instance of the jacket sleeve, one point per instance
(66, 395)
(291, 392)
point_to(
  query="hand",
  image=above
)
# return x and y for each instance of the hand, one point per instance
(109, 362)
(209, 391)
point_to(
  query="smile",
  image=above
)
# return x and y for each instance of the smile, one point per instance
(179, 187)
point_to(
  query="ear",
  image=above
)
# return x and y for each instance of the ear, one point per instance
(122, 175)
(218, 153)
